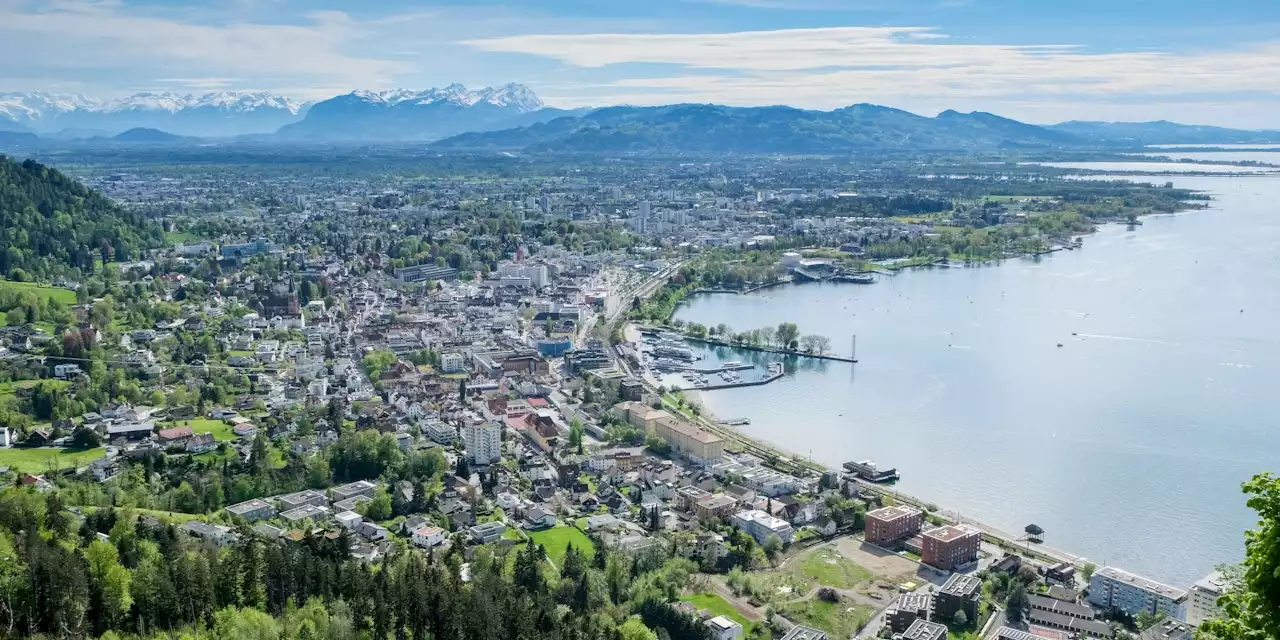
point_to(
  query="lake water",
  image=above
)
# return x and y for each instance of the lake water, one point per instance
(1127, 443)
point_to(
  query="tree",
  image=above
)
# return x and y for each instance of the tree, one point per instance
(576, 432)
(379, 508)
(376, 362)
(1087, 571)
(1250, 608)
(633, 629)
(85, 438)
(961, 619)
(772, 545)
(655, 519)
(786, 334)
(1017, 604)
(463, 470)
(110, 580)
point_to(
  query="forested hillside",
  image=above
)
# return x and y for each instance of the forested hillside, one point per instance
(53, 225)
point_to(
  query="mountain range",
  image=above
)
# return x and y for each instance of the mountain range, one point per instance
(513, 118)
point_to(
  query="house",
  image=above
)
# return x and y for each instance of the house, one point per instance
(211, 534)
(267, 531)
(131, 431)
(201, 442)
(305, 512)
(428, 536)
(349, 520)
(723, 628)
(303, 498)
(38, 438)
(487, 532)
(66, 371)
(245, 430)
(825, 526)
(357, 488)
(373, 531)
(174, 437)
(252, 510)
(539, 518)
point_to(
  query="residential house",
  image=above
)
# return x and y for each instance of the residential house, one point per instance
(428, 536)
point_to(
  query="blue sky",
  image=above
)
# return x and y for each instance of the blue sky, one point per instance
(1037, 60)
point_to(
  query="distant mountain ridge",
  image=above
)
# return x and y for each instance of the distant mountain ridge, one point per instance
(714, 128)
(1163, 132)
(218, 114)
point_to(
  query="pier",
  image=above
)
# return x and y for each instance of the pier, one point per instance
(785, 352)
(741, 383)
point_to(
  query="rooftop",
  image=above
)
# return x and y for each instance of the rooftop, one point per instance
(950, 532)
(922, 630)
(962, 585)
(800, 632)
(889, 514)
(1146, 584)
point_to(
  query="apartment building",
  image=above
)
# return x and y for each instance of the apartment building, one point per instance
(1202, 601)
(483, 441)
(888, 525)
(689, 441)
(950, 546)
(1112, 588)
(760, 525)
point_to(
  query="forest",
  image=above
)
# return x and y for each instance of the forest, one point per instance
(55, 226)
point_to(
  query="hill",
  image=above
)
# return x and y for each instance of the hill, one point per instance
(143, 134)
(18, 138)
(1162, 132)
(713, 128)
(55, 225)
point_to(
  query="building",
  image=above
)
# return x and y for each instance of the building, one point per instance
(1169, 630)
(632, 389)
(761, 525)
(1009, 633)
(259, 246)
(428, 536)
(253, 510)
(305, 512)
(452, 362)
(210, 534)
(690, 441)
(487, 532)
(960, 593)
(483, 441)
(639, 415)
(1202, 603)
(66, 371)
(1113, 588)
(349, 520)
(348, 491)
(1064, 616)
(887, 525)
(425, 272)
(906, 610)
(723, 628)
(950, 546)
(924, 630)
(801, 632)
(301, 499)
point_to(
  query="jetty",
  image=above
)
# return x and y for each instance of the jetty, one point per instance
(785, 352)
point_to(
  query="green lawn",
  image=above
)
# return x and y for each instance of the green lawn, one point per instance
(11, 387)
(221, 431)
(721, 607)
(828, 567)
(558, 539)
(65, 296)
(173, 517)
(840, 620)
(181, 237)
(39, 460)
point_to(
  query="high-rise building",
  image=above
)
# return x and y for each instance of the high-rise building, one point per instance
(888, 525)
(483, 440)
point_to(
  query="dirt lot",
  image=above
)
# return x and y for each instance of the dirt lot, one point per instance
(885, 565)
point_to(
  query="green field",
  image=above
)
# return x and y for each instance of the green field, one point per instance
(721, 607)
(221, 431)
(9, 388)
(840, 620)
(65, 296)
(39, 460)
(172, 517)
(829, 568)
(181, 237)
(558, 539)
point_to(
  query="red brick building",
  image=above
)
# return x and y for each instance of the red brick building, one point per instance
(949, 547)
(888, 525)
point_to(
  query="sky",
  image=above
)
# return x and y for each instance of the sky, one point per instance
(1195, 61)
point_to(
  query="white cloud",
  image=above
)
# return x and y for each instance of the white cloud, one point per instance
(829, 67)
(106, 36)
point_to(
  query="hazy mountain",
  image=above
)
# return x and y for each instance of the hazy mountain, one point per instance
(713, 128)
(1163, 132)
(403, 114)
(145, 135)
(219, 114)
(18, 138)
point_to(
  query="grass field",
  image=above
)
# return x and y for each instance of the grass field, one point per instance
(721, 607)
(39, 460)
(829, 568)
(173, 517)
(558, 539)
(841, 620)
(9, 388)
(180, 237)
(221, 431)
(65, 296)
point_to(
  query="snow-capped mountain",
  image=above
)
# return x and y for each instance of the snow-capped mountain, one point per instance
(391, 114)
(407, 114)
(223, 113)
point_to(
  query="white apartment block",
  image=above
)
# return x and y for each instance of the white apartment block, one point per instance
(1202, 601)
(760, 524)
(483, 441)
(452, 362)
(1113, 588)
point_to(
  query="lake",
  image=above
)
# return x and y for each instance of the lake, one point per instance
(1115, 395)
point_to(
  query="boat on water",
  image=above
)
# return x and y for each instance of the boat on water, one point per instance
(867, 470)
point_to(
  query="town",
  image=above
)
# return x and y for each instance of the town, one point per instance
(474, 368)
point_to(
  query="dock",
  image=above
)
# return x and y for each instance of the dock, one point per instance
(735, 385)
(734, 367)
(735, 422)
